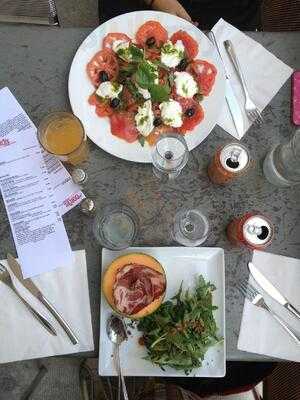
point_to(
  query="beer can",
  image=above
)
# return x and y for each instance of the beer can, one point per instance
(228, 163)
(252, 230)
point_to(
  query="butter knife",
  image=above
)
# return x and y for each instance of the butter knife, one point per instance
(232, 103)
(34, 290)
(272, 291)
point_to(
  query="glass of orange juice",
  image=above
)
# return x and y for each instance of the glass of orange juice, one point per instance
(62, 133)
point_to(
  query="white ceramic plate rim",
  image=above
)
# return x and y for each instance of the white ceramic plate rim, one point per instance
(98, 129)
(105, 310)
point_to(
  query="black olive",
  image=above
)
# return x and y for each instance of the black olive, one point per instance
(157, 121)
(150, 41)
(103, 76)
(182, 65)
(190, 112)
(114, 102)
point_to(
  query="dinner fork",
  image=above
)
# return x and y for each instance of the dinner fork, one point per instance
(6, 279)
(252, 111)
(257, 299)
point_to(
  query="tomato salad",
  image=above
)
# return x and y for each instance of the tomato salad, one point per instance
(150, 85)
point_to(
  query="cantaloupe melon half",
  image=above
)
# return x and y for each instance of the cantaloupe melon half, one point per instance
(109, 278)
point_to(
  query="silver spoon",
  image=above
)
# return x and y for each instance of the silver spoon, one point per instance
(116, 332)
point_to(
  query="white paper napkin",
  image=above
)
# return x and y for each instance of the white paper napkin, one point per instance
(259, 332)
(23, 337)
(264, 73)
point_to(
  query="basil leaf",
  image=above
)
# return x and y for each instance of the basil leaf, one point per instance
(129, 68)
(133, 90)
(136, 53)
(145, 75)
(141, 140)
(159, 93)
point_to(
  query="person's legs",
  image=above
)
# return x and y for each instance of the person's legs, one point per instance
(111, 8)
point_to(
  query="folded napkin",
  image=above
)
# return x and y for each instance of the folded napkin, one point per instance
(23, 337)
(259, 332)
(264, 73)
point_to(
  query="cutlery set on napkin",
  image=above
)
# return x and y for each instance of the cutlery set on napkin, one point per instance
(34, 311)
(271, 317)
(250, 86)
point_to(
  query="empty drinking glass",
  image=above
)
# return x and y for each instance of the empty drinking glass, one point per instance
(282, 163)
(190, 227)
(116, 227)
(169, 156)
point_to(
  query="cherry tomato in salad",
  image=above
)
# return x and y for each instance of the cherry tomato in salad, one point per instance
(190, 44)
(111, 37)
(204, 73)
(122, 125)
(104, 60)
(192, 114)
(151, 30)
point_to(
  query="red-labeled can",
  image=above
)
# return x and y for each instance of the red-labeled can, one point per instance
(252, 230)
(229, 162)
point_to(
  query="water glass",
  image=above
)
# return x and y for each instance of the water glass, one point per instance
(190, 227)
(169, 156)
(282, 164)
(116, 227)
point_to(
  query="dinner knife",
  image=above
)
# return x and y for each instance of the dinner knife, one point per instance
(233, 105)
(272, 291)
(34, 290)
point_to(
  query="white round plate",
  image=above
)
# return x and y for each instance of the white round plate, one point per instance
(98, 129)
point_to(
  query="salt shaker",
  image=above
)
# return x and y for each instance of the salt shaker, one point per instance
(87, 206)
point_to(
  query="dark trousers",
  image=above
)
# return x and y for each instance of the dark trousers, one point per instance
(244, 14)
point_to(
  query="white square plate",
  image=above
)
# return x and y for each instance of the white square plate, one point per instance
(180, 264)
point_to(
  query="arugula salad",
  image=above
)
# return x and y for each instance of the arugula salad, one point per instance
(181, 331)
(150, 84)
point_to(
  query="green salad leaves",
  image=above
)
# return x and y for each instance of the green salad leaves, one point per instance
(146, 76)
(180, 332)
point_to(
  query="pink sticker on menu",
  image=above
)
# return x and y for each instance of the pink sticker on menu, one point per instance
(296, 98)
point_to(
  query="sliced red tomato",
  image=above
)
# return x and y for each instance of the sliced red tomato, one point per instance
(190, 44)
(122, 125)
(189, 123)
(102, 109)
(111, 37)
(204, 73)
(92, 99)
(103, 60)
(151, 29)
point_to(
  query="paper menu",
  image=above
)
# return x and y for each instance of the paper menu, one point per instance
(27, 188)
(66, 192)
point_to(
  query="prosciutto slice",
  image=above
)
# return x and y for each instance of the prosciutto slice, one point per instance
(136, 286)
